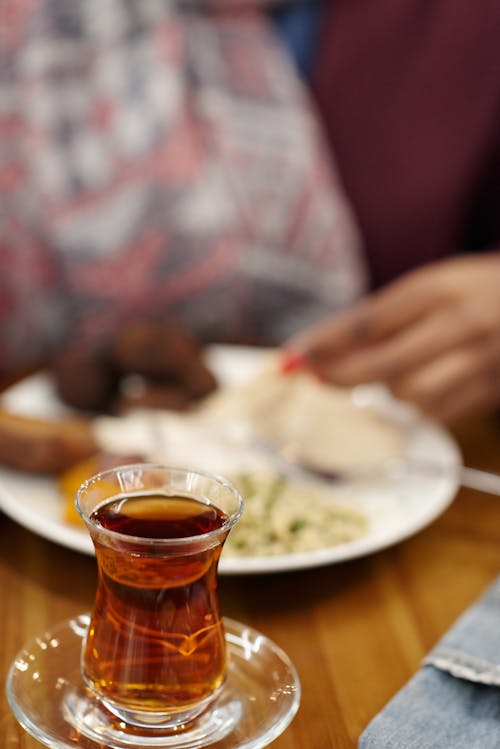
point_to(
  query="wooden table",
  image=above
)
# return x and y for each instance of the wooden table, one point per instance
(356, 631)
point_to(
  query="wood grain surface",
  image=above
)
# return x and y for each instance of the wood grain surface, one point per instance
(356, 631)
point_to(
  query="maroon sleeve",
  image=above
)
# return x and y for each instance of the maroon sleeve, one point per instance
(410, 96)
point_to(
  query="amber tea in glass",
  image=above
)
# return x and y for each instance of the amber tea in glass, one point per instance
(155, 652)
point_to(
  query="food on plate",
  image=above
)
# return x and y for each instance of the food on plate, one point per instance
(270, 418)
(163, 351)
(73, 477)
(136, 392)
(166, 358)
(236, 431)
(283, 516)
(84, 378)
(43, 445)
(307, 420)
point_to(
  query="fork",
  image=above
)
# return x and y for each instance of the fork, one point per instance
(290, 461)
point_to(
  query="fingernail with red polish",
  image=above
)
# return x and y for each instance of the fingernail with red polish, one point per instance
(292, 361)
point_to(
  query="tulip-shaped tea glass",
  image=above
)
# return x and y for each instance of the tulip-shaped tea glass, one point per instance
(154, 665)
(155, 650)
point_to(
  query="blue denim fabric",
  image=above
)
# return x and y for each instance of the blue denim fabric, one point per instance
(453, 702)
(298, 25)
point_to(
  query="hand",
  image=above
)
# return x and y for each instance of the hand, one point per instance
(433, 336)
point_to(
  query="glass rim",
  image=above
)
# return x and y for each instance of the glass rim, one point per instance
(145, 540)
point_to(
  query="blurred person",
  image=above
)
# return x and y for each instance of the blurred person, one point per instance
(162, 158)
(409, 94)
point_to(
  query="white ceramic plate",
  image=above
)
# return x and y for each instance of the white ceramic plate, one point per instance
(395, 511)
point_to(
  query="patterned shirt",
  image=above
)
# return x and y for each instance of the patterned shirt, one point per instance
(161, 158)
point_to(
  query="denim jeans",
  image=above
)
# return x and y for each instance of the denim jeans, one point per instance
(453, 702)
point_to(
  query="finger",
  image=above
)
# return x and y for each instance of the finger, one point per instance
(431, 385)
(476, 398)
(372, 319)
(397, 356)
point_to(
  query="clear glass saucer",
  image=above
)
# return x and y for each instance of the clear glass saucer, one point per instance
(49, 699)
